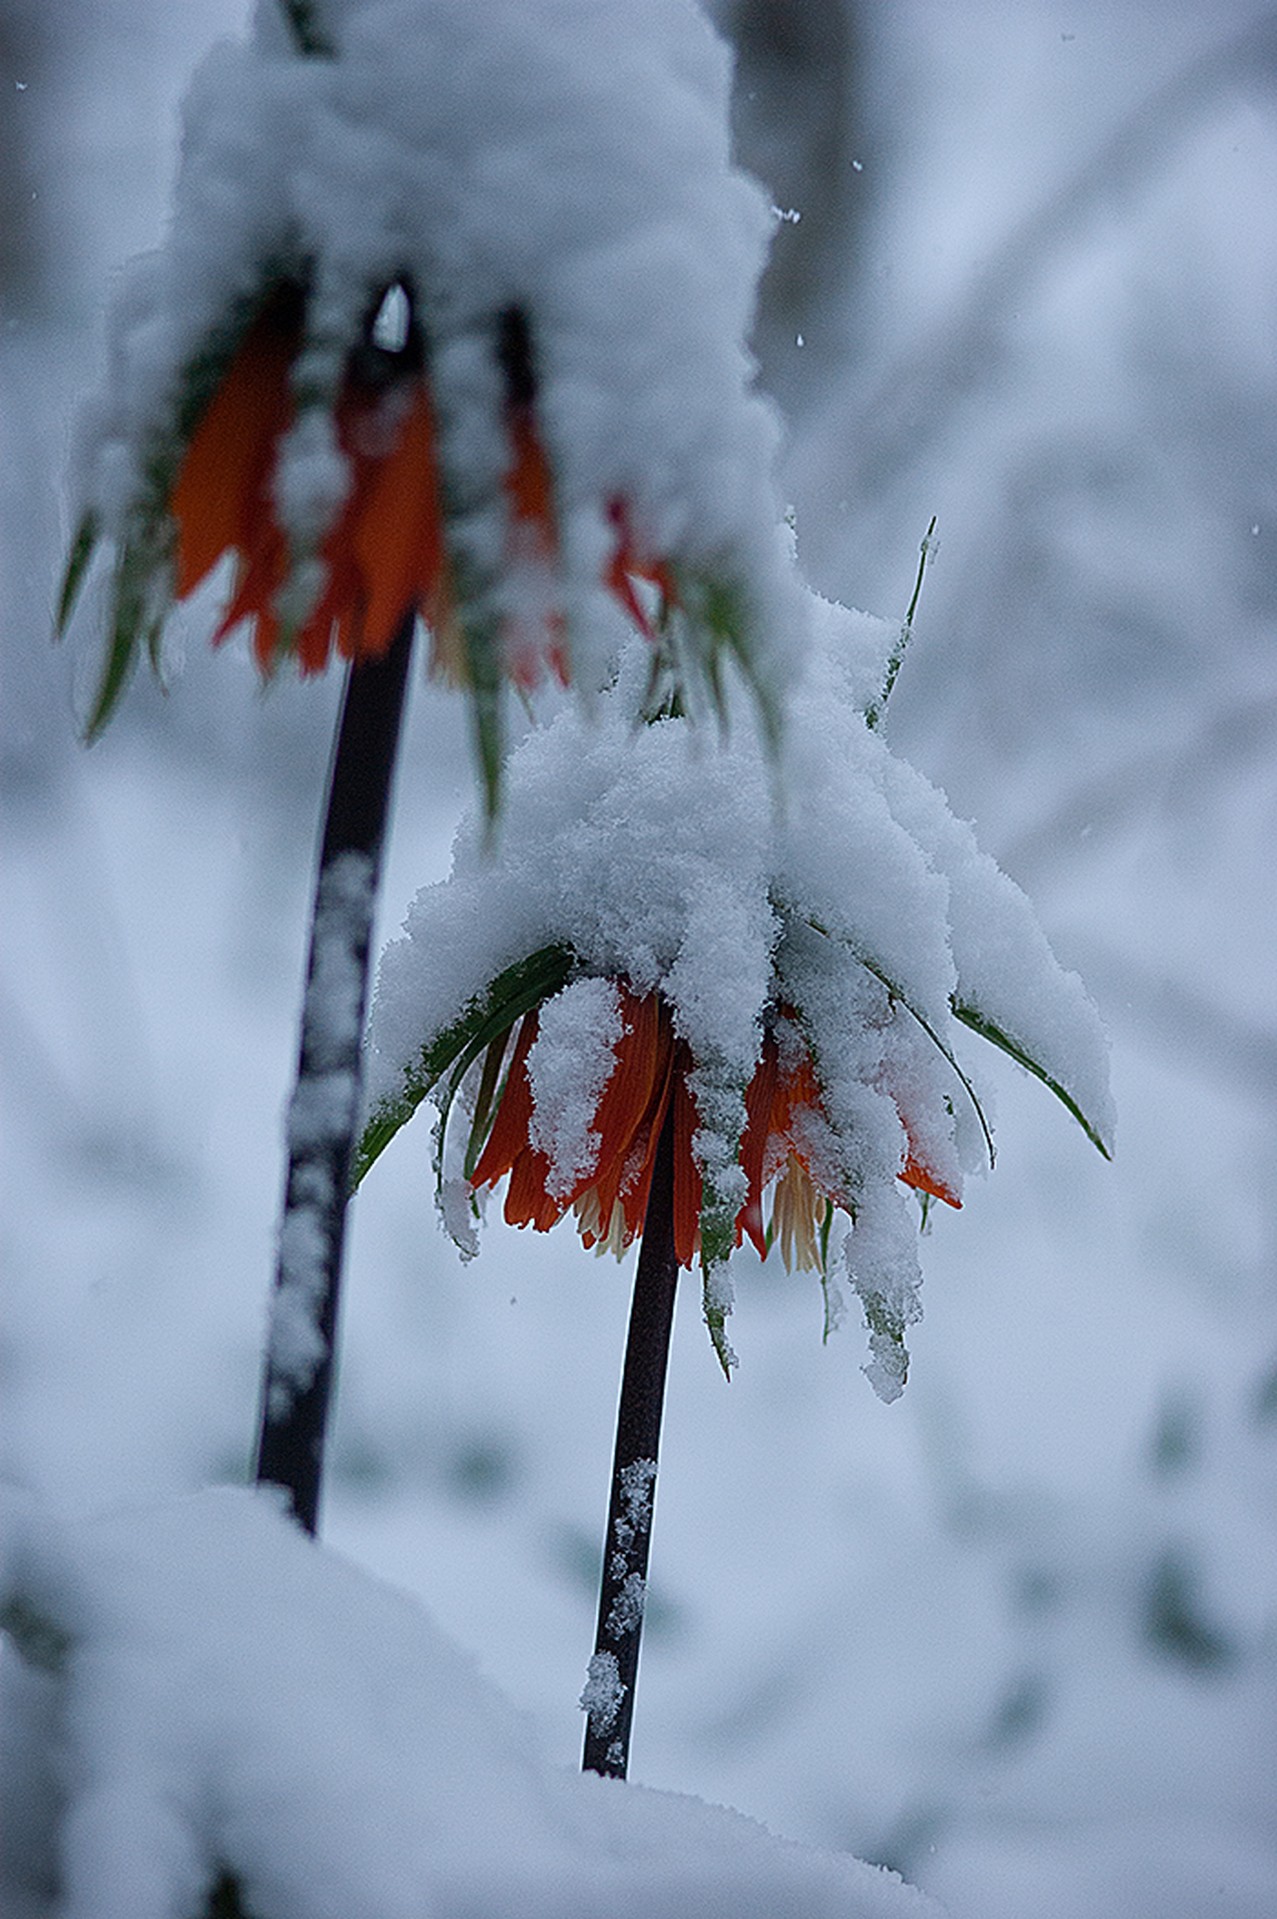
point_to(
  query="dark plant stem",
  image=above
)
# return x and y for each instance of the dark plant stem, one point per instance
(324, 1112)
(609, 1695)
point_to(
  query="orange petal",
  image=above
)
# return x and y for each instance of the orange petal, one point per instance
(508, 1150)
(532, 543)
(263, 565)
(627, 565)
(925, 1181)
(222, 486)
(509, 1133)
(529, 483)
(638, 1175)
(527, 1202)
(687, 1178)
(625, 1164)
(624, 1101)
(393, 528)
(759, 1100)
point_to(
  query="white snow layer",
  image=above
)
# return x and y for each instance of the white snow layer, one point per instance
(569, 158)
(853, 895)
(201, 1689)
(569, 1065)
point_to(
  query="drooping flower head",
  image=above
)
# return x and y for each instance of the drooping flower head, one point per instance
(450, 320)
(656, 937)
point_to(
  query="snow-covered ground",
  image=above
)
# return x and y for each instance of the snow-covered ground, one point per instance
(1016, 1634)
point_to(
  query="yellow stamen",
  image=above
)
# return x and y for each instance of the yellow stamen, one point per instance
(798, 1213)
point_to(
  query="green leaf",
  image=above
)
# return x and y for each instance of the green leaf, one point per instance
(900, 998)
(487, 1017)
(940, 1045)
(143, 582)
(487, 1100)
(889, 1366)
(137, 614)
(82, 548)
(116, 669)
(487, 723)
(988, 1029)
(715, 1310)
(717, 610)
(875, 710)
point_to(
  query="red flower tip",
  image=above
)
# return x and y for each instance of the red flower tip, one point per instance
(628, 565)
(610, 1197)
(384, 553)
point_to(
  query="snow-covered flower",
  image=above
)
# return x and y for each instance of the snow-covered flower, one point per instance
(654, 932)
(650, 1073)
(450, 320)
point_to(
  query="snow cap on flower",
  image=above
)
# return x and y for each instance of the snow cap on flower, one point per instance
(654, 930)
(451, 317)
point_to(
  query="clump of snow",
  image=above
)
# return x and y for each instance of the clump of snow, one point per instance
(603, 1692)
(638, 1482)
(569, 1064)
(626, 1613)
(565, 160)
(627, 1550)
(858, 904)
(195, 1689)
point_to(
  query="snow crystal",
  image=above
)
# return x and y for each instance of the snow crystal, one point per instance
(625, 1614)
(638, 1481)
(602, 1694)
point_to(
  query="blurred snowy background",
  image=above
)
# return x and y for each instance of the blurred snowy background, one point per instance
(1016, 1635)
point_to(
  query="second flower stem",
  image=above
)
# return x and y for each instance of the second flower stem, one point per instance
(609, 1695)
(324, 1112)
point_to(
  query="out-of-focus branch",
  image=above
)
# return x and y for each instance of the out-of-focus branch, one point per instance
(911, 407)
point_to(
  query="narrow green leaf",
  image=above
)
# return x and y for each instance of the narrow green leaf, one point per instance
(988, 1029)
(121, 652)
(115, 674)
(444, 1100)
(898, 997)
(484, 684)
(82, 548)
(826, 1226)
(487, 1016)
(895, 659)
(485, 710)
(941, 1047)
(886, 1328)
(136, 617)
(715, 1312)
(487, 1100)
